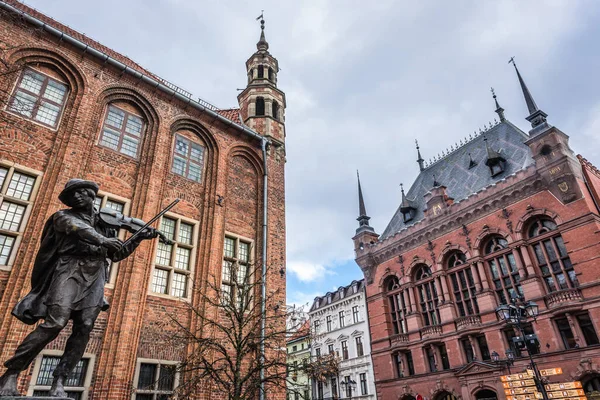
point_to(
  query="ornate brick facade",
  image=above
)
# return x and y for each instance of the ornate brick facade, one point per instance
(227, 198)
(504, 213)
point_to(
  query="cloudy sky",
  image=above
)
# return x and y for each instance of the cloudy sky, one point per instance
(364, 80)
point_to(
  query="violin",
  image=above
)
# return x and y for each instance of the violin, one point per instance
(116, 220)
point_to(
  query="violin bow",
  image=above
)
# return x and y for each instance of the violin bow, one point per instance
(157, 216)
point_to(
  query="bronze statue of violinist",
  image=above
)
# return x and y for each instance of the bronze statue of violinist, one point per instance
(68, 279)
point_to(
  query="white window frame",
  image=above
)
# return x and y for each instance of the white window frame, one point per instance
(104, 197)
(171, 268)
(158, 363)
(18, 235)
(235, 261)
(87, 380)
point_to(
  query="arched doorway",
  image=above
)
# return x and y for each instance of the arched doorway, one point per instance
(486, 394)
(445, 396)
(408, 397)
(591, 386)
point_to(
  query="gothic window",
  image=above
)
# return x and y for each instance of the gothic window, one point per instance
(38, 97)
(503, 269)
(551, 255)
(173, 262)
(17, 193)
(122, 130)
(463, 284)
(260, 106)
(428, 295)
(398, 300)
(188, 159)
(275, 109)
(235, 274)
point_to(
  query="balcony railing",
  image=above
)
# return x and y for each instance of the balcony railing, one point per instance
(469, 321)
(431, 331)
(399, 339)
(557, 299)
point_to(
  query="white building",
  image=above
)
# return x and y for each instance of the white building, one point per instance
(339, 321)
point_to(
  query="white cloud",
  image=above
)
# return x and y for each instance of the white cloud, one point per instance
(307, 271)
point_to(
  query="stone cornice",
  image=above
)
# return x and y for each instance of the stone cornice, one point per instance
(510, 190)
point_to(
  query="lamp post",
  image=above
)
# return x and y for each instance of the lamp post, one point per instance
(510, 359)
(517, 313)
(348, 384)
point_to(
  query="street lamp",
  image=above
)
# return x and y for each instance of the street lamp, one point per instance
(510, 359)
(516, 314)
(349, 384)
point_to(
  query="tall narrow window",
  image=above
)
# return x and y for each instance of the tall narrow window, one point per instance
(260, 106)
(483, 347)
(551, 255)
(270, 74)
(444, 355)
(359, 347)
(173, 262)
(428, 296)
(503, 268)
(76, 384)
(316, 326)
(122, 131)
(463, 284)
(355, 314)
(345, 350)
(261, 71)
(430, 356)
(319, 390)
(275, 109)
(328, 319)
(188, 159)
(468, 349)
(397, 357)
(587, 328)
(156, 380)
(236, 263)
(363, 384)
(409, 362)
(16, 201)
(330, 349)
(342, 319)
(39, 98)
(566, 334)
(397, 302)
(334, 388)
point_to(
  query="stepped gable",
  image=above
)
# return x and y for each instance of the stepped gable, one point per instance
(453, 170)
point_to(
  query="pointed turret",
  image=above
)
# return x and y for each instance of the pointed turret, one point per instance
(420, 160)
(407, 207)
(262, 104)
(495, 161)
(363, 218)
(536, 116)
(499, 110)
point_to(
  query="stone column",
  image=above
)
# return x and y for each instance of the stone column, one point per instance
(438, 290)
(411, 297)
(528, 264)
(476, 278)
(475, 347)
(484, 283)
(577, 334)
(516, 254)
(444, 283)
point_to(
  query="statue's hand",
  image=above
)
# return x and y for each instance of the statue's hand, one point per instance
(113, 245)
(149, 233)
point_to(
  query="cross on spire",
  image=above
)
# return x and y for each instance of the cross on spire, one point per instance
(262, 43)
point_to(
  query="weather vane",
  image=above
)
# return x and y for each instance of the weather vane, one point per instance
(261, 17)
(512, 61)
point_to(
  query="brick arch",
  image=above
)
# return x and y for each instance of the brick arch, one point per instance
(249, 154)
(441, 389)
(104, 173)
(585, 367)
(33, 146)
(483, 387)
(486, 233)
(447, 250)
(55, 60)
(532, 214)
(410, 271)
(385, 277)
(187, 205)
(185, 123)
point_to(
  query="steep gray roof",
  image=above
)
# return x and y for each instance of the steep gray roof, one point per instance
(341, 293)
(453, 170)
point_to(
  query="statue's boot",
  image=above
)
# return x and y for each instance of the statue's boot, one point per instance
(58, 388)
(8, 383)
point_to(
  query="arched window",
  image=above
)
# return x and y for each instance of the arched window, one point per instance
(261, 71)
(122, 129)
(428, 296)
(503, 268)
(551, 255)
(591, 385)
(270, 74)
(398, 300)
(463, 284)
(39, 95)
(275, 109)
(260, 106)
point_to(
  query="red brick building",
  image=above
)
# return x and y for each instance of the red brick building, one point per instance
(72, 107)
(504, 213)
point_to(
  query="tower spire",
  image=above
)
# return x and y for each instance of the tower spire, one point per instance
(262, 44)
(536, 116)
(363, 218)
(499, 110)
(420, 159)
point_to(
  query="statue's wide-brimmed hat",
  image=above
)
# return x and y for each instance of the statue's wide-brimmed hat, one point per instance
(73, 184)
